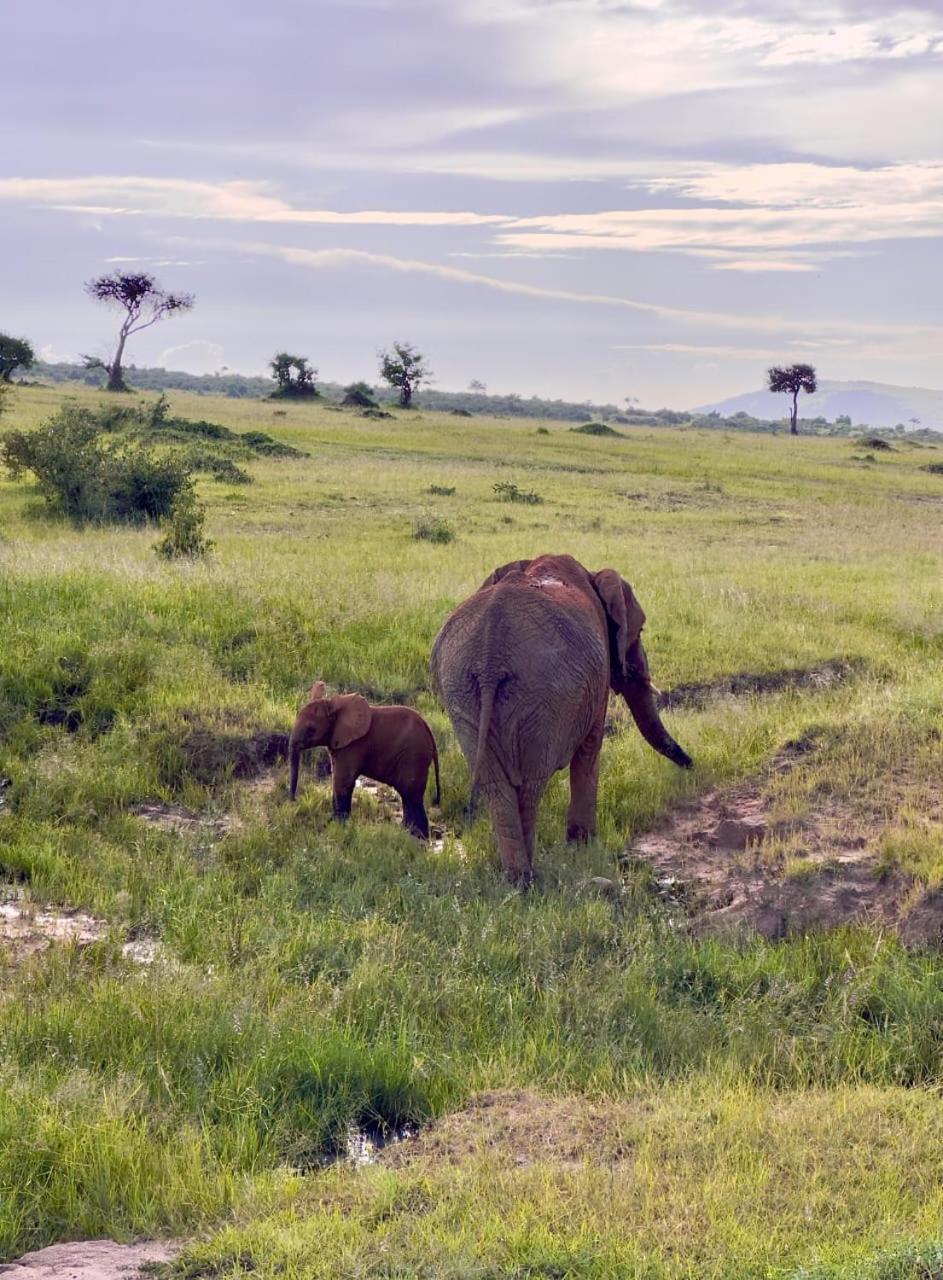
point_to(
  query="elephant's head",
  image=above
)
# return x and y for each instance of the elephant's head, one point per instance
(326, 722)
(629, 675)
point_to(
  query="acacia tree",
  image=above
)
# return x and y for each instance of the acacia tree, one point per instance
(14, 353)
(792, 379)
(403, 368)
(297, 383)
(143, 302)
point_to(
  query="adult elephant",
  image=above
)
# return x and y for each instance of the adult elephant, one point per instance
(524, 667)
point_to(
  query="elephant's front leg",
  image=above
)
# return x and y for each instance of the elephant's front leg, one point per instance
(344, 778)
(584, 782)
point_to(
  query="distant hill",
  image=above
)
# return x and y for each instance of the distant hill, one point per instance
(872, 404)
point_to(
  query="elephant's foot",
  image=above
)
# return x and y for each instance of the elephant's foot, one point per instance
(579, 833)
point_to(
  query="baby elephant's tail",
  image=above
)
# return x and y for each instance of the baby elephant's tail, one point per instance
(435, 761)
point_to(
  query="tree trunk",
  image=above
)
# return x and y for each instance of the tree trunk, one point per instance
(794, 416)
(115, 375)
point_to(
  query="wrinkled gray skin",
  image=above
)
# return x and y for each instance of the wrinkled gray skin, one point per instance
(524, 668)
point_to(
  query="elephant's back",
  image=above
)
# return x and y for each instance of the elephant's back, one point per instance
(546, 661)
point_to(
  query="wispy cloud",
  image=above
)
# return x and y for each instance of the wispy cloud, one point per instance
(225, 201)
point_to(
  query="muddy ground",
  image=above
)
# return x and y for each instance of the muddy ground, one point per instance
(730, 861)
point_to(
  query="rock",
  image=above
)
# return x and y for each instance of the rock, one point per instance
(88, 1260)
(738, 833)
(605, 887)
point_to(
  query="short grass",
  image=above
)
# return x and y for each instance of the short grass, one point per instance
(313, 976)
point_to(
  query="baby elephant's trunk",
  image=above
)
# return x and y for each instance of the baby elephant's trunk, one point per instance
(294, 756)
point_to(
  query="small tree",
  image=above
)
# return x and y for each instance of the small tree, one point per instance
(143, 302)
(477, 387)
(403, 368)
(294, 376)
(359, 395)
(792, 379)
(14, 353)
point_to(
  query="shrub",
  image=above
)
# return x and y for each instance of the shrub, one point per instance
(542, 431)
(433, 529)
(225, 471)
(443, 490)
(597, 429)
(375, 413)
(85, 479)
(460, 413)
(935, 468)
(508, 492)
(359, 395)
(183, 528)
(873, 442)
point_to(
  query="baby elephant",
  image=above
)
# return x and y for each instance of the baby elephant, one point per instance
(389, 744)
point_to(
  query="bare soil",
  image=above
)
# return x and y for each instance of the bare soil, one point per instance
(824, 675)
(26, 928)
(730, 863)
(88, 1260)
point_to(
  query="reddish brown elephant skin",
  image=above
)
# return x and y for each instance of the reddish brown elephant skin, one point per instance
(524, 668)
(388, 744)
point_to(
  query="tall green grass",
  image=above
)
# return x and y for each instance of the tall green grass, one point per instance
(311, 976)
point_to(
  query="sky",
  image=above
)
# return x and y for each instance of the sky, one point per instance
(593, 199)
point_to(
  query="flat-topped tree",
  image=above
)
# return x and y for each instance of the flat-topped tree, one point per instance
(293, 375)
(143, 301)
(15, 353)
(792, 379)
(403, 368)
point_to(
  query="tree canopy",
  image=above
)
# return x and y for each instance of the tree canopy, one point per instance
(14, 353)
(403, 368)
(143, 302)
(791, 379)
(293, 375)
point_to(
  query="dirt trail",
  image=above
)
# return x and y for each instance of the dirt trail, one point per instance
(825, 675)
(729, 864)
(88, 1260)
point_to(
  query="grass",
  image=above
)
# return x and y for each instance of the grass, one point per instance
(775, 1105)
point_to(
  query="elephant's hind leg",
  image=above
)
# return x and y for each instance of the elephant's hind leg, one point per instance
(516, 856)
(584, 783)
(414, 815)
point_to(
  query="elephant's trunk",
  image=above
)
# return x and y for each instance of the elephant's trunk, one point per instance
(294, 755)
(640, 697)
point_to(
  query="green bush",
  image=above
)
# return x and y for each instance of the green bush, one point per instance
(597, 429)
(935, 468)
(85, 479)
(433, 529)
(442, 490)
(506, 491)
(183, 528)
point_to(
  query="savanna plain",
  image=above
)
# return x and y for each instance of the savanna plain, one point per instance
(598, 1084)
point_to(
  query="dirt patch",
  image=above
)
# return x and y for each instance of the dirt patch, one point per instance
(730, 862)
(89, 1260)
(180, 821)
(27, 928)
(825, 675)
(520, 1127)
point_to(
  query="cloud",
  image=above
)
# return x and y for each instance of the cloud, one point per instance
(811, 329)
(226, 201)
(198, 356)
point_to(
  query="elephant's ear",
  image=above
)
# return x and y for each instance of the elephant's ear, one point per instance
(504, 570)
(626, 621)
(317, 690)
(352, 716)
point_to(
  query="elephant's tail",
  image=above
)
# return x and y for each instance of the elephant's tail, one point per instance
(435, 761)
(488, 692)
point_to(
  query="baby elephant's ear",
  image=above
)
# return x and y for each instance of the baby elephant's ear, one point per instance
(626, 620)
(317, 690)
(352, 716)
